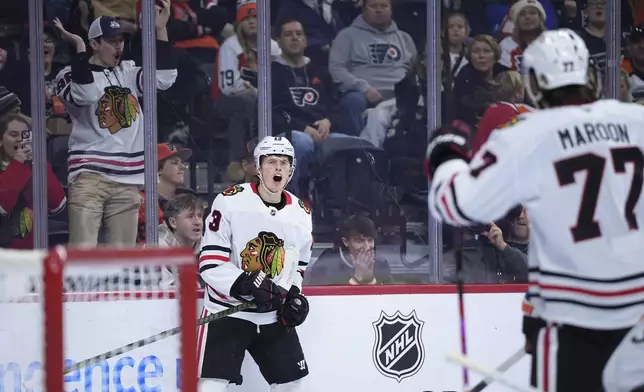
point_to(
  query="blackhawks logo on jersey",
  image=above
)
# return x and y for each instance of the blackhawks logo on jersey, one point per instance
(264, 253)
(304, 207)
(233, 190)
(117, 109)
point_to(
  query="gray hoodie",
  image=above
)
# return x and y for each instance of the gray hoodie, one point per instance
(362, 56)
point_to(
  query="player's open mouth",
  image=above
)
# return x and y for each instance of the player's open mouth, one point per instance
(277, 178)
(117, 57)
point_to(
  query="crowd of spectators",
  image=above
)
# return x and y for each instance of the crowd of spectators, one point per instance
(349, 89)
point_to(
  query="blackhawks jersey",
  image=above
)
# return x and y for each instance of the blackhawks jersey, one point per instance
(243, 234)
(578, 172)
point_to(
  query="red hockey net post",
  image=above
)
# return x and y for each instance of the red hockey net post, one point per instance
(181, 261)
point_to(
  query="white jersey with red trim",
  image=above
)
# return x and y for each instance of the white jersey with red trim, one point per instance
(578, 172)
(107, 133)
(244, 234)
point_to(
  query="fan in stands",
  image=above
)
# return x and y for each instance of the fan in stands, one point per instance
(255, 248)
(576, 166)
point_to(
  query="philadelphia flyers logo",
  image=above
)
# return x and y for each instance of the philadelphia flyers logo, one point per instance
(233, 190)
(384, 52)
(303, 96)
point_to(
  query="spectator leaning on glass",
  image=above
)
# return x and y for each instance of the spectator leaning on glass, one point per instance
(366, 61)
(354, 260)
(528, 17)
(106, 143)
(16, 202)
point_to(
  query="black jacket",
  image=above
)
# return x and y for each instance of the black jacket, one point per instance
(301, 96)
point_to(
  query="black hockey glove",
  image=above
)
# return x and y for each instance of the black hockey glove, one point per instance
(266, 294)
(295, 308)
(448, 142)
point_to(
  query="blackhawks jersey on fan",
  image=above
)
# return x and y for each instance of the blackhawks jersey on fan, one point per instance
(243, 234)
(578, 172)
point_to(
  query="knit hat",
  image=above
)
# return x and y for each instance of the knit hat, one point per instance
(245, 9)
(523, 4)
(8, 101)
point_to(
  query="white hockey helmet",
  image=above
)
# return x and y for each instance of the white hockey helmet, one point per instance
(557, 58)
(275, 145)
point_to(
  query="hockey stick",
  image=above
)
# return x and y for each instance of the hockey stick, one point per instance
(154, 338)
(461, 302)
(492, 374)
(503, 367)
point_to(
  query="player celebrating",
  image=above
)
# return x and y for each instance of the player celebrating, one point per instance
(256, 245)
(577, 168)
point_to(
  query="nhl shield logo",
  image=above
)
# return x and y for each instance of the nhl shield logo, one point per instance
(398, 351)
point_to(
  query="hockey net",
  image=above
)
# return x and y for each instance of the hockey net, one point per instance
(60, 308)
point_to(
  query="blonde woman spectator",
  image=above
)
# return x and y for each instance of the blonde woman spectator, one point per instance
(528, 17)
(474, 85)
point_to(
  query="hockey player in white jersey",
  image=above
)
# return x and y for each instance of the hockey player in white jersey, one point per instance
(576, 166)
(256, 246)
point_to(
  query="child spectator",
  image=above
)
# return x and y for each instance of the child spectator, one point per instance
(16, 197)
(182, 225)
(456, 30)
(106, 144)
